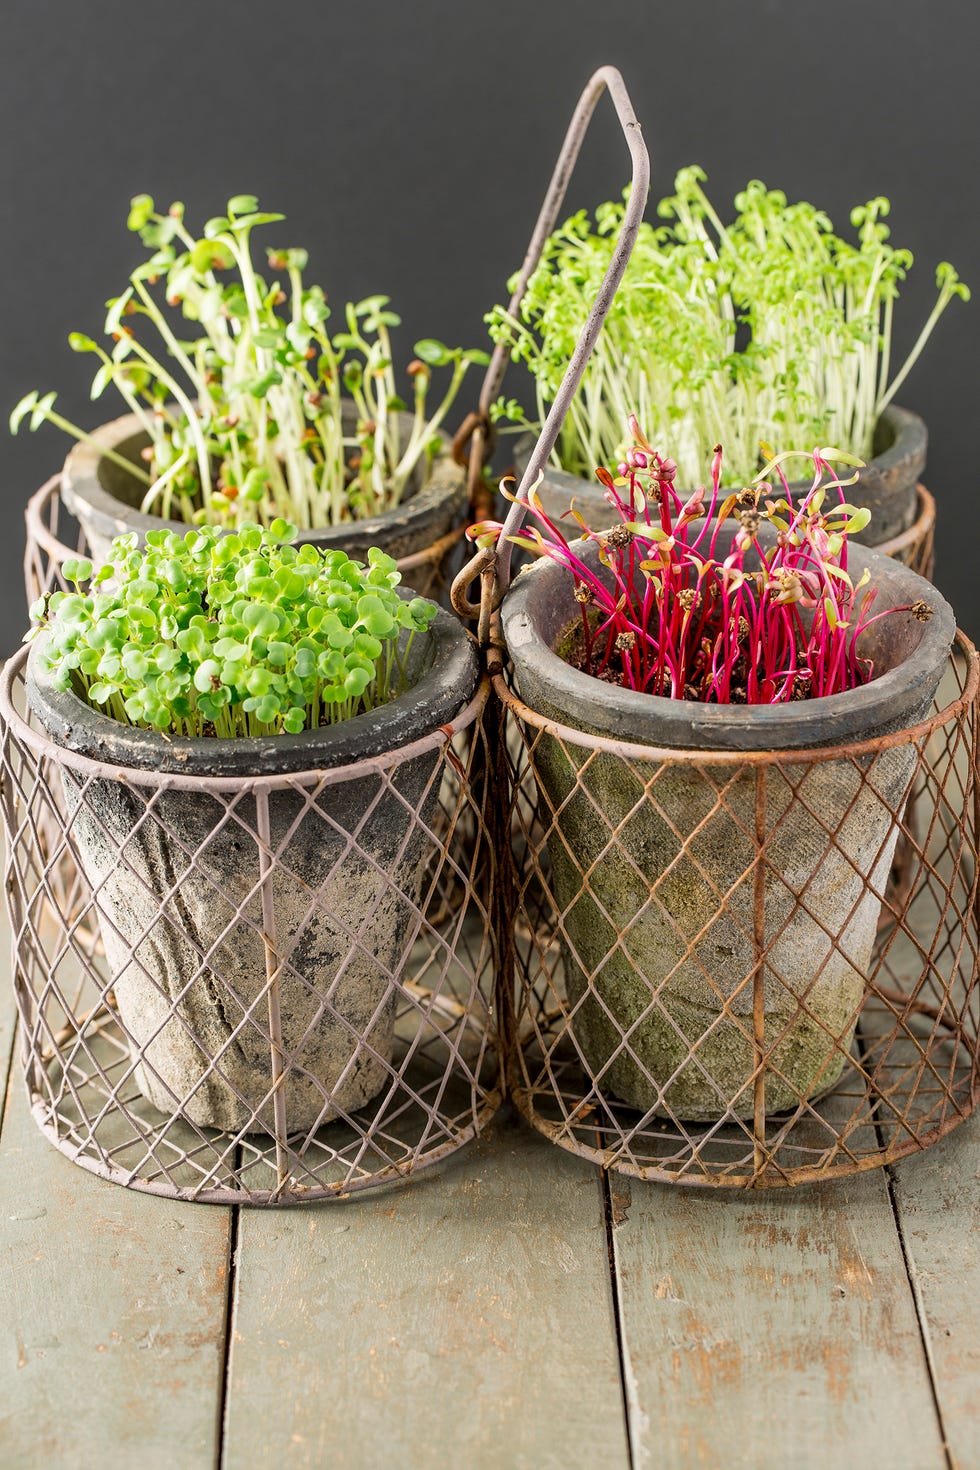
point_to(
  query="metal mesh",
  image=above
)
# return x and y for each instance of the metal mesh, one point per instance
(745, 970)
(263, 990)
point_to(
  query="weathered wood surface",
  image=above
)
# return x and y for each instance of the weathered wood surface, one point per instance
(937, 1196)
(466, 1319)
(112, 1310)
(771, 1330)
(937, 1202)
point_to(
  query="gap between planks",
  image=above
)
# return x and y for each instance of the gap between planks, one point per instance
(463, 1317)
(770, 1328)
(630, 1404)
(920, 1312)
(231, 1298)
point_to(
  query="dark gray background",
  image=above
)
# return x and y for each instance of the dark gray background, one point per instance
(409, 145)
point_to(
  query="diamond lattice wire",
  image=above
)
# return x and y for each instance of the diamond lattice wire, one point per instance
(746, 970)
(273, 990)
(52, 536)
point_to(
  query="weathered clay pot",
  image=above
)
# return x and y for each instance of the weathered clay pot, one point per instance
(648, 947)
(168, 878)
(105, 500)
(886, 485)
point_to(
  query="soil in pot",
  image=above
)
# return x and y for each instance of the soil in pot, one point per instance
(176, 877)
(887, 485)
(652, 860)
(105, 500)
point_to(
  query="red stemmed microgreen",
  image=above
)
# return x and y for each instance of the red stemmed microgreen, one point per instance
(724, 598)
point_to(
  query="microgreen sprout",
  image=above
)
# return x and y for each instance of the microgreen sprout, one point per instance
(230, 635)
(771, 327)
(679, 609)
(244, 422)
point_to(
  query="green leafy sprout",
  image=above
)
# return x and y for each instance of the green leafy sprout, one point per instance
(770, 329)
(230, 634)
(244, 422)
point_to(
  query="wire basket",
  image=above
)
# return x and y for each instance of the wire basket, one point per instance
(256, 991)
(52, 537)
(663, 1025)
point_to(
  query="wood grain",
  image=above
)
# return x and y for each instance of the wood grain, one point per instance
(771, 1330)
(938, 1199)
(112, 1315)
(463, 1319)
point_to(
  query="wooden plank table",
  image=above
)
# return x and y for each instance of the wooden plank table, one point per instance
(512, 1309)
(113, 1308)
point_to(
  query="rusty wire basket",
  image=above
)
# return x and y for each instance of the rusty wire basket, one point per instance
(205, 1012)
(727, 968)
(53, 536)
(729, 1020)
(428, 572)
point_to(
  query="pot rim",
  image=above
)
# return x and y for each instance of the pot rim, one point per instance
(445, 692)
(911, 440)
(82, 488)
(910, 443)
(812, 755)
(881, 706)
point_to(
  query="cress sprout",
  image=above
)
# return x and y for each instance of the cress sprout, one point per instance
(244, 421)
(770, 329)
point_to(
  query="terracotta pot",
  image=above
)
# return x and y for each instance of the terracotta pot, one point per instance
(650, 952)
(175, 875)
(105, 500)
(887, 484)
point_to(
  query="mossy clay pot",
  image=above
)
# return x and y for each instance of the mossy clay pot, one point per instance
(658, 941)
(176, 877)
(105, 500)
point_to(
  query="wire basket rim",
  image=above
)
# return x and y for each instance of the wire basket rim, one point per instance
(774, 1176)
(22, 731)
(391, 1175)
(666, 755)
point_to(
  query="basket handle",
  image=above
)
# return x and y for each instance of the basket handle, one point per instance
(494, 564)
